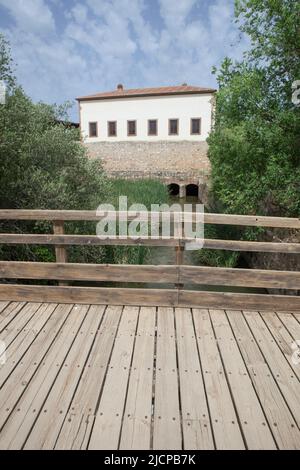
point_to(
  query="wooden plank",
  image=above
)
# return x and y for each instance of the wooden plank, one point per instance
(107, 427)
(48, 424)
(136, 429)
(265, 247)
(77, 426)
(280, 419)
(95, 240)
(226, 430)
(9, 313)
(18, 323)
(167, 428)
(252, 220)
(88, 295)
(197, 433)
(237, 301)
(3, 305)
(147, 297)
(25, 338)
(282, 337)
(150, 273)
(22, 418)
(206, 275)
(71, 215)
(251, 416)
(291, 324)
(88, 272)
(209, 218)
(11, 391)
(280, 367)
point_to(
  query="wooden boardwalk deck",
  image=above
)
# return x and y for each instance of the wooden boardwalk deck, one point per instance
(114, 377)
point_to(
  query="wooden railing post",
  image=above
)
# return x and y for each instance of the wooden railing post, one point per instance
(179, 249)
(179, 254)
(179, 261)
(60, 250)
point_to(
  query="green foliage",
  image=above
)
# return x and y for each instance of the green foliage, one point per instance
(43, 166)
(6, 65)
(254, 147)
(144, 191)
(42, 163)
(221, 258)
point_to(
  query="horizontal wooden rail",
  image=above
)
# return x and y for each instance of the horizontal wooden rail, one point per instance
(88, 272)
(162, 297)
(209, 218)
(201, 275)
(231, 245)
(206, 275)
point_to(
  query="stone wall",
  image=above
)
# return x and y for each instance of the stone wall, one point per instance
(169, 161)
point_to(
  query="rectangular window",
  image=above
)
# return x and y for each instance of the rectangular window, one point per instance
(93, 130)
(195, 126)
(131, 128)
(152, 127)
(112, 128)
(173, 126)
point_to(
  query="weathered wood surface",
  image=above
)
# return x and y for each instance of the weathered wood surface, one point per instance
(231, 245)
(209, 218)
(114, 377)
(149, 273)
(60, 251)
(148, 297)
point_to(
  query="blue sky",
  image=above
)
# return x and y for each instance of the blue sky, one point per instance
(64, 48)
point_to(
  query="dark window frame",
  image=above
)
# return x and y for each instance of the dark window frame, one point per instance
(174, 133)
(191, 128)
(108, 129)
(156, 127)
(130, 134)
(96, 124)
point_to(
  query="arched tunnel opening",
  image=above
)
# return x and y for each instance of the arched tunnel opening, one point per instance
(192, 190)
(173, 189)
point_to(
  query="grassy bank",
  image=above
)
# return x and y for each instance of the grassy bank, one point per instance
(144, 191)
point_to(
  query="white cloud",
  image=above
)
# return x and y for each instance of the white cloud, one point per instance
(65, 52)
(79, 13)
(174, 14)
(30, 15)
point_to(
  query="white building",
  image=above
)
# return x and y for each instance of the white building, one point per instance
(151, 133)
(147, 114)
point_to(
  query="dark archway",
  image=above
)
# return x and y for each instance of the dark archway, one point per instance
(173, 189)
(192, 190)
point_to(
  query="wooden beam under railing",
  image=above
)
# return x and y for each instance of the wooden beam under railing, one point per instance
(159, 274)
(153, 297)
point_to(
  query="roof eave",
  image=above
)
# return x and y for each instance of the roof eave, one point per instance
(143, 95)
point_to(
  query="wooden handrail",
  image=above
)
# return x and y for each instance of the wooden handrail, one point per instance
(209, 218)
(178, 274)
(208, 243)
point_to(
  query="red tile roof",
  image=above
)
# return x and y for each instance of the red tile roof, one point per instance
(160, 91)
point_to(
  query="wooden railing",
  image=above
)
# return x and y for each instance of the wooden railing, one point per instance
(178, 275)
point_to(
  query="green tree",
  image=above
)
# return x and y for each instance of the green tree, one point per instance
(6, 63)
(254, 147)
(44, 166)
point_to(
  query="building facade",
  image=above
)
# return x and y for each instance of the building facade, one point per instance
(150, 132)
